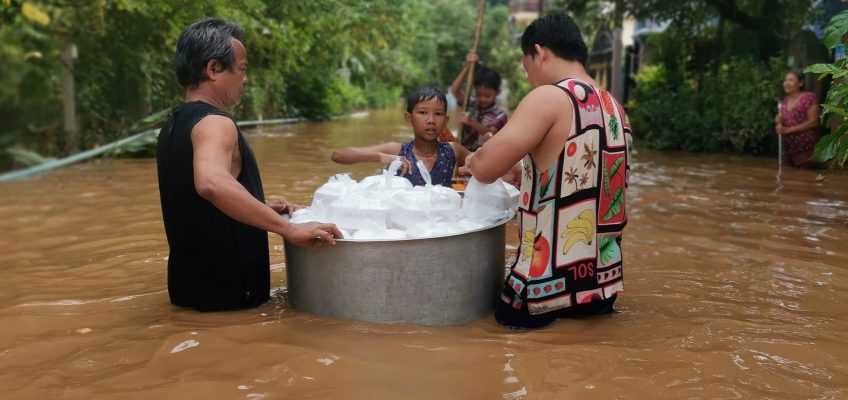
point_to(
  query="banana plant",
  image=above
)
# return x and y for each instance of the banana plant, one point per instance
(834, 145)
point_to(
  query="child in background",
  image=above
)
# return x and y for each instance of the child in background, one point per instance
(484, 118)
(426, 112)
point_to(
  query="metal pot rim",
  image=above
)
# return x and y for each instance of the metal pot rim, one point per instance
(499, 223)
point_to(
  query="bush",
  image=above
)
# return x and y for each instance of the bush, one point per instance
(835, 144)
(728, 110)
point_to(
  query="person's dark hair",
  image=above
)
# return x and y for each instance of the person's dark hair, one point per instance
(557, 32)
(424, 94)
(203, 41)
(487, 77)
(798, 74)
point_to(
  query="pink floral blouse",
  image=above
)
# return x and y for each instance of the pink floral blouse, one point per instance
(801, 141)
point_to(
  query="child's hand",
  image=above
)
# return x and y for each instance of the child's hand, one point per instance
(471, 57)
(464, 118)
(405, 165)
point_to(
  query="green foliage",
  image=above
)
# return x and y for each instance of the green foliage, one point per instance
(504, 54)
(834, 145)
(731, 110)
(315, 59)
(754, 28)
(25, 157)
(835, 29)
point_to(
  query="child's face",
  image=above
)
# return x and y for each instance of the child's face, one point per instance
(486, 96)
(428, 118)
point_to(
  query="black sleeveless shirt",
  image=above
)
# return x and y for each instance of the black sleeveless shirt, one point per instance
(215, 262)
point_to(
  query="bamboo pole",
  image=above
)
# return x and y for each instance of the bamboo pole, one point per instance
(469, 80)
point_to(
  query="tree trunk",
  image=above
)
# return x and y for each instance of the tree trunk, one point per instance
(617, 81)
(717, 48)
(69, 56)
(771, 40)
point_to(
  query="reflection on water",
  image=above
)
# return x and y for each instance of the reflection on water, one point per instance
(734, 290)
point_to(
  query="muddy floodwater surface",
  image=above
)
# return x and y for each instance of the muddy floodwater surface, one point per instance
(735, 288)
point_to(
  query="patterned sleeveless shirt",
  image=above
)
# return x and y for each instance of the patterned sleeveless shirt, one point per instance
(571, 215)
(442, 171)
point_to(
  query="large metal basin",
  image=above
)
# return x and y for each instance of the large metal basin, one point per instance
(448, 280)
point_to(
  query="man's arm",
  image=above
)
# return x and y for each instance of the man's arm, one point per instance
(525, 132)
(214, 140)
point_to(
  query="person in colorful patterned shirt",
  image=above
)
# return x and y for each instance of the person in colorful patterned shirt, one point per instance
(570, 135)
(484, 118)
(798, 122)
(426, 112)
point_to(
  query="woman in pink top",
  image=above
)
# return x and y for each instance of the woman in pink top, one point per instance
(798, 122)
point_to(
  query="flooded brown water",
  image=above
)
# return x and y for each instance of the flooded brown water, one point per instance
(735, 289)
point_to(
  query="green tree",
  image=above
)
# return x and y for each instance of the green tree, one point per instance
(835, 144)
(314, 58)
(764, 26)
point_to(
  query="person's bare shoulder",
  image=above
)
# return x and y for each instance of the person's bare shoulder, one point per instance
(215, 128)
(546, 94)
(544, 103)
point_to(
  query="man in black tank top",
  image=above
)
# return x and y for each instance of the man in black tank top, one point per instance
(213, 205)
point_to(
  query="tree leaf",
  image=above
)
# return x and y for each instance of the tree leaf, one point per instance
(827, 146)
(27, 157)
(842, 153)
(834, 109)
(837, 26)
(822, 69)
(837, 93)
(615, 205)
